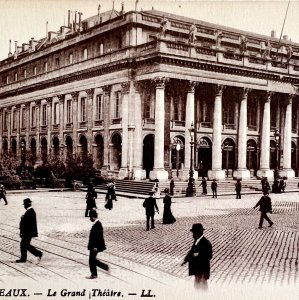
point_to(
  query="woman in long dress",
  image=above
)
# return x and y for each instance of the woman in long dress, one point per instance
(110, 196)
(168, 218)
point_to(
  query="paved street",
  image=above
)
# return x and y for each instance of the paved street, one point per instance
(248, 263)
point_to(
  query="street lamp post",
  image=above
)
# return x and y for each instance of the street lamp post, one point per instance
(276, 137)
(178, 148)
(191, 191)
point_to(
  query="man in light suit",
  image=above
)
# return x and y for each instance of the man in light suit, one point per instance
(199, 257)
(28, 230)
(96, 244)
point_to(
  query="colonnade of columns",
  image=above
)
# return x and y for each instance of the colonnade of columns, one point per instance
(132, 133)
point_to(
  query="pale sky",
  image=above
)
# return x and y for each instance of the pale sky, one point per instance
(22, 19)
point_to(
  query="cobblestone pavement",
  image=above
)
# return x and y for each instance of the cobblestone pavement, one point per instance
(248, 262)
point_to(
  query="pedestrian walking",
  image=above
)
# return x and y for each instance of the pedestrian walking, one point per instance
(265, 185)
(28, 230)
(3, 193)
(265, 206)
(150, 205)
(156, 190)
(238, 188)
(90, 199)
(282, 184)
(203, 184)
(171, 186)
(214, 188)
(199, 257)
(110, 196)
(168, 217)
(96, 244)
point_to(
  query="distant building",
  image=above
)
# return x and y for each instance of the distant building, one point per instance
(125, 87)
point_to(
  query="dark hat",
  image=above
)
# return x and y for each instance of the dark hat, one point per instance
(93, 214)
(151, 193)
(166, 190)
(27, 201)
(197, 227)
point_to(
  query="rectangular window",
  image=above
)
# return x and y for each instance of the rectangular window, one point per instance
(57, 63)
(85, 54)
(44, 114)
(33, 116)
(147, 108)
(99, 107)
(229, 114)
(69, 111)
(25, 73)
(23, 118)
(14, 119)
(205, 113)
(294, 121)
(252, 115)
(117, 105)
(70, 58)
(56, 113)
(16, 76)
(83, 109)
(5, 125)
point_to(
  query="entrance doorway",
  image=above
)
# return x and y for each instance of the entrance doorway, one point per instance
(204, 156)
(228, 157)
(251, 158)
(148, 153)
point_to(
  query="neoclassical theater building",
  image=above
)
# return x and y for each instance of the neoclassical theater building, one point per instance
(126, 87)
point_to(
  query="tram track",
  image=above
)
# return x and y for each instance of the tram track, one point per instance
(66, 247)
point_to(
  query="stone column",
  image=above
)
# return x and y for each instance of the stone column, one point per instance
(8, 129)
(265, 141)
(18, 152)
(1, 131)
(37, 132)
(107, 120)
(217, 172)
(74, 96)
(242, 171)
(89, 107)
(287, 171)
(125, 92)
(189, 119)
(61, 125)
(159, 172)
(138, 172)
(49, 124)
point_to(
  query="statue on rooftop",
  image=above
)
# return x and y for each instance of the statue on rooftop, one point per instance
(192, 33)
(164, 26)
(219, 36)
(243, 44)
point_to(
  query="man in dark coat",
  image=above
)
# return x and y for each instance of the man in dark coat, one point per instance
(238, 188)
(265, 206)
(204, 186)
(3, 193)
(28, 230)
(96, 244)
(214, 188)
(150, 204)
(199, 257)
(171, 186)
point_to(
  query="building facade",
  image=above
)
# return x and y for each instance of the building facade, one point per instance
(127, 87)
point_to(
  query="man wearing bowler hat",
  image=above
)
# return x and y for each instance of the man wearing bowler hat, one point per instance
(199, 257)
(28, 230)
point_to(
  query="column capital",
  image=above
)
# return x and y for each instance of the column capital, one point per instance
(49, 100)
(219, 88)
(125, 87)
(245, 92)
(60, 98)
(160, 82)
(289, 99)
(90, 92)
(75, 95)
(191, 85)
(107, 89)
(268, 96)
